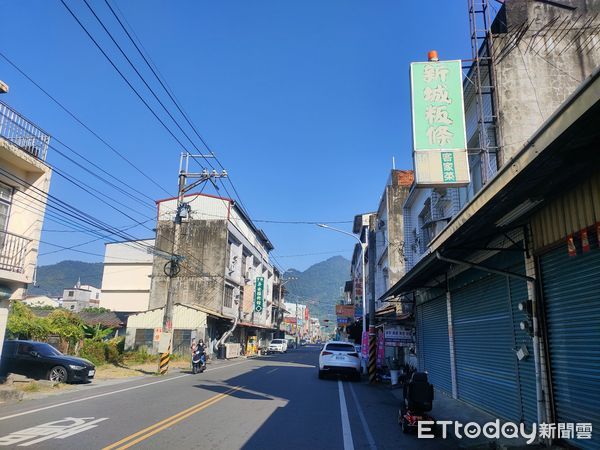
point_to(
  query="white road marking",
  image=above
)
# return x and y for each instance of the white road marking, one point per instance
(368, 434)
(271, 371)
(58, 429)
(346, 430)
(32, 411)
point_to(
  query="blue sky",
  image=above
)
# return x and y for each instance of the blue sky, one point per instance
(304, 102)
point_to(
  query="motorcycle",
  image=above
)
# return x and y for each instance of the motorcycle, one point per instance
(417, 402)
(198, 361)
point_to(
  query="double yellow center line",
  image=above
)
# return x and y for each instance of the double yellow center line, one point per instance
(144, 434)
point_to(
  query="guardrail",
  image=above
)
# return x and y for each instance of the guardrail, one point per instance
(23, 133)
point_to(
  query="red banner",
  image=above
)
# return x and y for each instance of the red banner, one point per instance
(585, 242)
(289, 319)
(571, 245)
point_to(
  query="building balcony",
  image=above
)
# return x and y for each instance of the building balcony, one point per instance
(13, 249)
(21, 132)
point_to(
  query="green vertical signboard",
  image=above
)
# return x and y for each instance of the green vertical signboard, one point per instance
(439, 138)
(259, 294)
(437, 102)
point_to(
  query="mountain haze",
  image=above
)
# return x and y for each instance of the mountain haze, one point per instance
(322, 283)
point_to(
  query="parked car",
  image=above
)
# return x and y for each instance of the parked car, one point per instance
(278, 345)
(340, 358)
(39, 360)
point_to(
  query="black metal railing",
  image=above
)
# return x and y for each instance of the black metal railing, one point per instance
(23, 133)
(12, 251)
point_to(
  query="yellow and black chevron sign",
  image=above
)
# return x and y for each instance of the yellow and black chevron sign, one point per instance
(163, 366)
(372, 357)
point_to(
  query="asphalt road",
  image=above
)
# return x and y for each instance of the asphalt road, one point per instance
(270, 402)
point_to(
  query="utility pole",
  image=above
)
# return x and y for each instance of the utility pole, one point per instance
(172, 267)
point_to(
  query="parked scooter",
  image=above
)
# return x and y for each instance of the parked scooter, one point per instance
(417, 402)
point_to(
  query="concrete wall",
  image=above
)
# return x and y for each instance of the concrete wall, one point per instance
(200, 281)
(127, 276)
(26, 211)
(545, 67)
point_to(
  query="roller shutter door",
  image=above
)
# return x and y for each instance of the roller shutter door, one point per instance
(571, 295)
(483, 343)
(433, 345)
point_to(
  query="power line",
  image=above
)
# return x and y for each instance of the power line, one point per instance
(171, 96)
(64, 108)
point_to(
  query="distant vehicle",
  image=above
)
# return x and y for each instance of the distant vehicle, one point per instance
(302, 342)
(341, 358)
(39, 360)
(278, 345)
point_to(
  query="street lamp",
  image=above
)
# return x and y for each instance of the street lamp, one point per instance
(363, 246)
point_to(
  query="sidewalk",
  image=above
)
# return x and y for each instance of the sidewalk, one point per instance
(447, 408)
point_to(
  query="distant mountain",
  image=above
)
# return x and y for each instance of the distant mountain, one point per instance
(53, 279)
(322, 283)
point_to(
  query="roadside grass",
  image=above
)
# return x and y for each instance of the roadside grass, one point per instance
(31, 387)
(131, 367)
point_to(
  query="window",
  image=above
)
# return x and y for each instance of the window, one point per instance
(182, 339)
(228, 300)
(5, 201)
(70, 294)
(143, 338)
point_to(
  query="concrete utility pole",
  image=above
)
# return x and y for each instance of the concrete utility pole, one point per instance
(172, 267)
(372, 365)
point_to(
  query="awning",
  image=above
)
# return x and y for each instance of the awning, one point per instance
(255, 325)
(561, 153)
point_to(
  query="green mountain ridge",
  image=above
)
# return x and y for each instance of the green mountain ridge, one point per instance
(53, 279)
(320, 286)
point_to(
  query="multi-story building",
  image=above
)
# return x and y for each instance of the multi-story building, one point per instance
(126, 276)
(24, 184)
(80, 297)
(504, 272)
(530, 82)
(388, 236)
(226, 268)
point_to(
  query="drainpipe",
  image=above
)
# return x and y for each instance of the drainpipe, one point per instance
(531, 284)
(226, 334)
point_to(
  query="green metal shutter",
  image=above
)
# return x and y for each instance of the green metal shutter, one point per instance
(571, 289)
(485, 359)
(433, 345)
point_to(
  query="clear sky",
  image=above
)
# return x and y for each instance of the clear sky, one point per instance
(305, 103)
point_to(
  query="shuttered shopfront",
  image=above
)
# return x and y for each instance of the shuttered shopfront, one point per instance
(571, 299)
(433, 347)
(486, 322)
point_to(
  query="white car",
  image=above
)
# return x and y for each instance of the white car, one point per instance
(341, 358)
(277, 345)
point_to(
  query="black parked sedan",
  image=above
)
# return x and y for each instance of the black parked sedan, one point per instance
(42, 361)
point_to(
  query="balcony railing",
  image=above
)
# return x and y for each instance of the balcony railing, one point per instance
(23, 133)
(12, 251)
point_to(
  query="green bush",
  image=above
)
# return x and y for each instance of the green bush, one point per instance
(94, 351)
(140, 356)
(112, 352)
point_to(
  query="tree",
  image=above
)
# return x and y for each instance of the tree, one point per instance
(96, 332)
(22, 323)
(66, 325)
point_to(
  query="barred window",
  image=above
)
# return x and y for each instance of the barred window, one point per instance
(143, 338)
(228, 301)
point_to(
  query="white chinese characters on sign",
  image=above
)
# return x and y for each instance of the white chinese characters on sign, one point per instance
(436, 112)
(58, 429)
